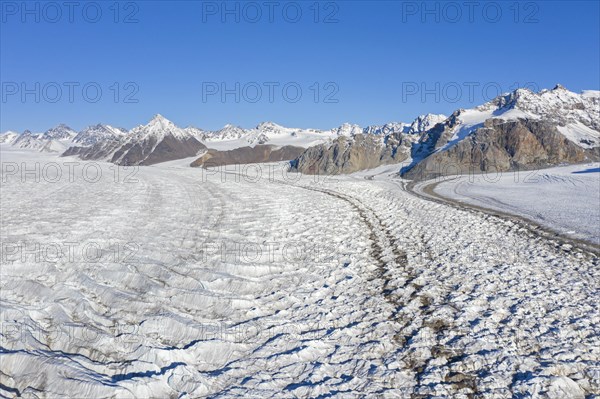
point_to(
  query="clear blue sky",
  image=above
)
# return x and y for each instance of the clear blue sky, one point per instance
(377, 55)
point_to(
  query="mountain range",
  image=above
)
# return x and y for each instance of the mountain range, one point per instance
(518, 130)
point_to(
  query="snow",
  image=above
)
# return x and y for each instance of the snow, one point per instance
(231, 137)
(581, 135)
(96, 133)
(8, 136)
(591, 93)
(425, 122)
(218, 284)
(158, 127)
(577, 112)
(566, 199)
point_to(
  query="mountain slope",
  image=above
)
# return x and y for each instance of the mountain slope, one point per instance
(158, 141)
(8, 136)
(28, 140)
(357, 149)
(97, 133)
(521, 130)
(55, 139)
(247, 155)
(60, 132)
(351, 154)
(231, 137)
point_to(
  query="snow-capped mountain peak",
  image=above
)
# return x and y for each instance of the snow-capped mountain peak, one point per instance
(575, 115)
(59, 132)
(425, 122)
(229, 132)
(160, 123)
(558, 86)
(97, 133)
(8, 136)
(158, 128)
(158, 119)
(388, 128)
(270, 127)
(558, 105)
(347, 129)
(199, 134)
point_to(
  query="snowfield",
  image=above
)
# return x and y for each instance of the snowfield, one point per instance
(173, 282)
(565, 199)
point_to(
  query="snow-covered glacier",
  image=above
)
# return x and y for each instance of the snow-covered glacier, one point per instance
(167, 281)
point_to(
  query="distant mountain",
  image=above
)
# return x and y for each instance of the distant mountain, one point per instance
(425, 122)
(357, 149)
(231, 137)
(158, 141)
(229, 132)
(8, 136)
(519, 130)
(56, 139)
(28, 140)
(98, 133)
(388, 128)
(199, 134)
(247, 155)
(348, 154)
(60, 132)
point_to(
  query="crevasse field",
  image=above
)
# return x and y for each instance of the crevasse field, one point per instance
(173, 282)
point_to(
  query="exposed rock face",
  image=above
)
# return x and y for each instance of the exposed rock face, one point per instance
(245, 155)
(351, 154)
(101, 150)
(500, 146)
(156, 149)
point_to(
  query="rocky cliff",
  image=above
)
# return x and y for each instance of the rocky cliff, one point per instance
(500, 146)
(351, 154)
(246, 155)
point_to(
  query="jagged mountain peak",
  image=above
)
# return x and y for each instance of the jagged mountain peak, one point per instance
(158, 127)
(8, 136)
(97, 133)
(230, 126)
(59, 132)
(348, 129)
(229, 132)
(388, 128)
(160, 121)
(269, 126)
(425, 122)
(558, 86)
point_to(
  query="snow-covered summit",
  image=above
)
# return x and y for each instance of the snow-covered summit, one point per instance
(425, 122)
(388, 128)
(158, 128)
(97, 133)
(347, 130)
(28, 139)
(558, 105)
(59, 132)
(577, 115)
(8, 136)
